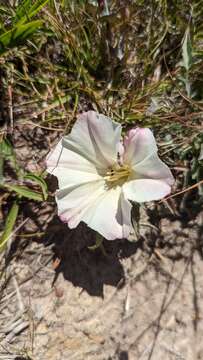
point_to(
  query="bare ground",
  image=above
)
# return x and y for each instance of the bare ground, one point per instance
(136, 300)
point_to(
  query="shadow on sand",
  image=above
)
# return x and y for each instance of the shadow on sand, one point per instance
(88, 269)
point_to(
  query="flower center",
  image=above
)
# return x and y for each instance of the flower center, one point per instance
(117, 175)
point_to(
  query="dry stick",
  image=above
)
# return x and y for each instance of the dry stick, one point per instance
(41, 126)
(29, 277)
(18, 295)
(183, 191)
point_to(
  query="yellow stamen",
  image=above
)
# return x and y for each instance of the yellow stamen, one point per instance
(117, 174)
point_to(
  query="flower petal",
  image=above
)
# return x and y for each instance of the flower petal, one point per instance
(123, 215)
(142, 190)
(69, 167)
(153, 168)
(105, 211)
(139, 144)
(96, 137)
(73, 201)
(110, 215)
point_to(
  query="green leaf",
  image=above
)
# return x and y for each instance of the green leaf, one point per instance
(6, 148)
(9, 225)
(27, 10)
(98, 244)
(24, 191)
(99, 241)
(39, 181)
(22, 9)
(18, 35)
(7, 153)
(1, 168)
(187, 50)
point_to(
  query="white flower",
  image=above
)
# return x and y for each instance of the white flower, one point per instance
(98, 174)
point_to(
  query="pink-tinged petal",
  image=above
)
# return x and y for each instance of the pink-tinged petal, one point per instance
(70, 168)
(95, 137)
(105, 211)
(139, 143)
(143, 190)
(153, 168)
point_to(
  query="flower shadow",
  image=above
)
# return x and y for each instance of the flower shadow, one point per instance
(88, 269)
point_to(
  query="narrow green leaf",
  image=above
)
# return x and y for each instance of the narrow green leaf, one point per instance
(28, 10)
(1, 168)
(9, 225)
(39, 181)
(22, 9)
(18, 35)
(6, 148)
(7, 153)
(25, 192)
(187, 50)
(99, 241)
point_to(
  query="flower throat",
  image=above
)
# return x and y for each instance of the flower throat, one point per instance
(117, 175)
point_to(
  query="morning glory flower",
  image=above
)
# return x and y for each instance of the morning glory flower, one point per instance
(99, 174)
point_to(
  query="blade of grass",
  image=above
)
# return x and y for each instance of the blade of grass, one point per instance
(27, 10)
(9, 225)
(18, 35)
(24, 191)
(39, 181)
